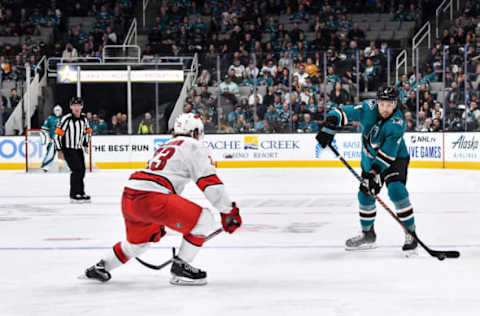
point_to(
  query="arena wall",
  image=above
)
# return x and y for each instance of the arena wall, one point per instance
(427, 150)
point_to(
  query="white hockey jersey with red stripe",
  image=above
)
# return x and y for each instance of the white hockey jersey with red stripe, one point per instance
(177, 162)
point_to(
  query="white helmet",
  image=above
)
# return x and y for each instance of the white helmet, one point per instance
(187, 123)
(57, 110)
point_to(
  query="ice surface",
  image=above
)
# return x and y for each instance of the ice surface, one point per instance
(287, 260)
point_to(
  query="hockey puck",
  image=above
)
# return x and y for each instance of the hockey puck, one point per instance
(441, 257)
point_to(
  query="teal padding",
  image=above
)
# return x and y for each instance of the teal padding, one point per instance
(366, 224)
(397, 193)
(367, 202)
(328, 130)
(410, 223)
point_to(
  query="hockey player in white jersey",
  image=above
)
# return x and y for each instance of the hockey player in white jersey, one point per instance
(151, 200)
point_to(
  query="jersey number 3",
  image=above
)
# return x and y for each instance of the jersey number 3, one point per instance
(159, 161)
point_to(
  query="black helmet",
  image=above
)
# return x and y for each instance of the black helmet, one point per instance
(387, 93)
(76, 100)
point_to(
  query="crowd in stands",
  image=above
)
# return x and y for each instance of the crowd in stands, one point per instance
(274, 51)
(23, 21)
(118, 124)
(461, 110)
(249, 44)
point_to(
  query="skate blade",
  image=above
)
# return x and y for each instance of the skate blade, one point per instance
(362, 247)
(176, 280)
(410, 253)
(72, 201)
(84, 277)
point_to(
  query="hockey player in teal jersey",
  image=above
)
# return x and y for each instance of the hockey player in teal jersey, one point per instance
(48, 132)
(384, 160)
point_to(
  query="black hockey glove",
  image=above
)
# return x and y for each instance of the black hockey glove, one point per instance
(372, 183)
(327, 131)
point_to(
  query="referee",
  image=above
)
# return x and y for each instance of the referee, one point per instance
(73, 133)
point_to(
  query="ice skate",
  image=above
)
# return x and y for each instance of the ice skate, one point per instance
(185, 274)
(410, 246)
(77, 199)
(366, 240)
(97, 272)
(86, 198)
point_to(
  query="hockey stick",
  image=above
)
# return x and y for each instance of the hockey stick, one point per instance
(439, 254)
(166, 263)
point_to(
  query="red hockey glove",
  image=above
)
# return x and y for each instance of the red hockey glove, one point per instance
(231, 221)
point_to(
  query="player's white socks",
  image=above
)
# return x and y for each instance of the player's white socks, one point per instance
(122, 252)
(111, 261)
(187, 251)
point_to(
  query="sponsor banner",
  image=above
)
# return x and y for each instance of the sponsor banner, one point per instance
(462, 147)
(125, 148)
(69, 74)
(260, 150)
(12, 149)
(260, 147)
(425, 146)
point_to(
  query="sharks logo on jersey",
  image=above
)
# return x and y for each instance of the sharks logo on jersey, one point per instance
(373, 135)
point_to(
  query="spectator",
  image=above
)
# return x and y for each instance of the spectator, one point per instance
(252, 70)
(369, 75)
(70, 53)
(204, 78)
(146, 125)
(455, 95)
(339, 95)
(307, 126)
(270, 67)
(421, 127)
(114, 128)
(301, 74)
(332, 78)
(14, 98)
(229, 90)
(124, 124)
(234, 116)
(98, 125)
(310, 68)
(272, 117)
(237, 69)
(356, 34)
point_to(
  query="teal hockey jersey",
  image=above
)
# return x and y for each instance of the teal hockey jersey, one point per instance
(50, 125)
(382, 140)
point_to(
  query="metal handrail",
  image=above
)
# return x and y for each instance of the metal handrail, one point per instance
(131, 34)
(61, 61)
(422, 36)
(145, 6)
(401, 62)
(194, 67)
(159, 59)
(42, 60)
(443, 7)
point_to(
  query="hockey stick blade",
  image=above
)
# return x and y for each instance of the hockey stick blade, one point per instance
(166, 263)
(439, 254)
(152, 266)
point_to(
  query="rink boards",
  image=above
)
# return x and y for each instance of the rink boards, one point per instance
(427, 150)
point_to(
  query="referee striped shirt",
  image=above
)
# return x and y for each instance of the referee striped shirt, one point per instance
(72, 132)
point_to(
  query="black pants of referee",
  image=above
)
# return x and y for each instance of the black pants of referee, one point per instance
(76, 163)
